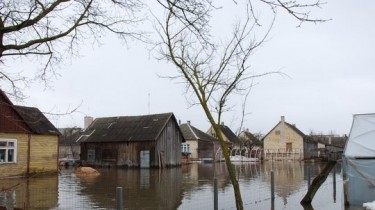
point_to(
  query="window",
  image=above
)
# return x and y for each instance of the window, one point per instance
(277, 132)
(8, 150)
(185, 148)
(91, 155)
(289, 147)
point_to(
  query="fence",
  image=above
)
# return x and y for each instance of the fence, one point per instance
(162, 190)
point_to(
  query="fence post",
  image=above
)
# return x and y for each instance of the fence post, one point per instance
(334, 184)
(308, 177)
(272, 186)
(119, 199)
(216, 206)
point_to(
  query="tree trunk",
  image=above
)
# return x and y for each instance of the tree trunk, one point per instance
(317, 182)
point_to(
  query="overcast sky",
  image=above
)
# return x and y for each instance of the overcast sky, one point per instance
(330, 68)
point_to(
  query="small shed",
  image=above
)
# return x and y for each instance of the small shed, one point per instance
(359, 161)
(133, 141)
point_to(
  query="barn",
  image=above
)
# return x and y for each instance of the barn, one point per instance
(146, 141)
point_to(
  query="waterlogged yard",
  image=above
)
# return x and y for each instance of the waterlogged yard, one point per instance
(188, 187)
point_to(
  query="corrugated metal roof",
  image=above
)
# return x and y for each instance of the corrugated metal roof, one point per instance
(127, 128)
(191, 133)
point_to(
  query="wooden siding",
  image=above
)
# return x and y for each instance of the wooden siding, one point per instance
(164, 152)
(10, 121)
(168, 146)
(43, 155)
(20, 167)
(206, 149)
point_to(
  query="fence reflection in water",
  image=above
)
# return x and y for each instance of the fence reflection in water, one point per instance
(188, 187)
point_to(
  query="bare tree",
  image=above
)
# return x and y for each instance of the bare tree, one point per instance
(215, 71)
(48, 31)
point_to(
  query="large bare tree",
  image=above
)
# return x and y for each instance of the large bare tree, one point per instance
(216, 70)
(49, 31)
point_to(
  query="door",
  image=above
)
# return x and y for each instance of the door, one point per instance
(145, 158)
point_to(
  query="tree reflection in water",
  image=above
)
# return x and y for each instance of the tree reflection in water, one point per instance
(187, 187)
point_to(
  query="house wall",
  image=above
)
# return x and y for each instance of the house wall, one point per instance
(275, 143)
(115, 153)
(168, 146)
(43, 155)
(165, 151)
(20, 167)
(206, 149)
(193, 149)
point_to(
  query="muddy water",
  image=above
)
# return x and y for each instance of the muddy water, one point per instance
(188, 187)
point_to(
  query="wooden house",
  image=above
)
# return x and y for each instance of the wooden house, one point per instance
(133, 141)
(199, 146)
(28, 140)
(286, 142)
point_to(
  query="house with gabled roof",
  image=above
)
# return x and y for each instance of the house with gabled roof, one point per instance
(28, 140)
(229, 136)
(133, 141)
(199, 146)
(286, 142)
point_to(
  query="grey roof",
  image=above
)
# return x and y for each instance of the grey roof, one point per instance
(191, 133)
(69, 136)
(229, 134)
(334, 141)
(249, 136)
(36, 120)
(127, 128)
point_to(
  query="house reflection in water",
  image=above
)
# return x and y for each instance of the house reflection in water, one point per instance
(291, 176)
(33, 193)
(142, 188)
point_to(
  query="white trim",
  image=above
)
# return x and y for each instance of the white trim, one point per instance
(7, 148)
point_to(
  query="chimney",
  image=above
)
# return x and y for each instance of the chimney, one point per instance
(282, 119)
(87, 121)
(222, 123)
(188, 122)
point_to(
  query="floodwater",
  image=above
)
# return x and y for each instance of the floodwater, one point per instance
(187, 187)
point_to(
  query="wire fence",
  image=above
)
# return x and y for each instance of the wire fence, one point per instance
(160, 193)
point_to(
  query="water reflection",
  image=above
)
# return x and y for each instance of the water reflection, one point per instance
(26, 193)
(188, 187)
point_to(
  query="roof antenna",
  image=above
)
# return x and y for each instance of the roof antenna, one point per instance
(148, 103)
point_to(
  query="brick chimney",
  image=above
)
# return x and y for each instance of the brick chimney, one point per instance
(87, 121)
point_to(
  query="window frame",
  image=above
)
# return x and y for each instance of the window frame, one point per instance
(91, 153)
(10, 145)
(185, 147)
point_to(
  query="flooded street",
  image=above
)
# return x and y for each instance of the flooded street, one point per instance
(188, 187)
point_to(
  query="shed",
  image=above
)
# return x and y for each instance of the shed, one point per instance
(133, 141)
